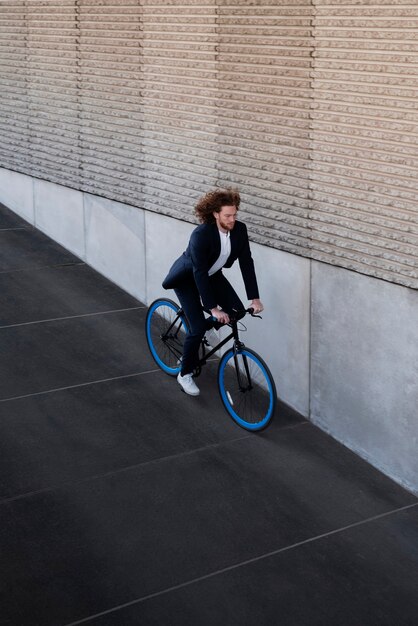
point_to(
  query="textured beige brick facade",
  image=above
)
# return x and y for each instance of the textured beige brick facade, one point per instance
(309, 106)
(364, 185)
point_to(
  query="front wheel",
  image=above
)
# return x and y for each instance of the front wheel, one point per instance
(247, 388)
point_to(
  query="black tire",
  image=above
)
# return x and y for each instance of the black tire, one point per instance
(250, 398)
(166, 331)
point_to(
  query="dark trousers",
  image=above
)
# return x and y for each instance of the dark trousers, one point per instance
(189, 298)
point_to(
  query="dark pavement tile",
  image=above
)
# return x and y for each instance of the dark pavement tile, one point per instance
(53, 438)
(84, 431)
(61, 353)
(85, 548)
(58, 291)
(26, 249)
(363, 576)
(8, 219)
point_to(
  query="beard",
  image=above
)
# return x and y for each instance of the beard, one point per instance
(226, 226)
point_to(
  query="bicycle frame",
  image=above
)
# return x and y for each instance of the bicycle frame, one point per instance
(237, 345)
(169, 335)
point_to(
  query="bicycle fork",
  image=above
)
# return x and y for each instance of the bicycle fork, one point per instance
(244, 380)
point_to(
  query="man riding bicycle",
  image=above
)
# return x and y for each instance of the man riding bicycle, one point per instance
(197, 278)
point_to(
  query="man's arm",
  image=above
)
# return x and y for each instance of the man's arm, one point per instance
(246, 264)
(199, 251)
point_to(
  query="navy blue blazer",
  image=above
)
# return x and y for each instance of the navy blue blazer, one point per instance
(202, 252)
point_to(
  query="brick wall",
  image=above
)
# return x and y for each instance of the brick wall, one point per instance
(309, 106)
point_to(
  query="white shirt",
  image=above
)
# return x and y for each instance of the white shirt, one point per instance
(225, 252)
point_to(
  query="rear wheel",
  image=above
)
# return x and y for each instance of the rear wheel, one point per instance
(166, 329)
(247, 388)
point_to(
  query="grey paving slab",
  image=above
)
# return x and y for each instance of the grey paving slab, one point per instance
(88, 547)
(54, 438)
(363, 576)
(56, 292)
(100, 428)
(27, 249)
(60, 353)
(8, 219)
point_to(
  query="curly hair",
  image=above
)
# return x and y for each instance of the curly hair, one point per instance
(213, 201)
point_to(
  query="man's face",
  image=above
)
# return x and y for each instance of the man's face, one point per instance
(226, 217)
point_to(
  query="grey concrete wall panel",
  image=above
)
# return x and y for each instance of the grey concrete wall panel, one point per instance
(59, 212)
(115, 242)
(16, 192)
(282, 337)
(364, 364)
(165, 240)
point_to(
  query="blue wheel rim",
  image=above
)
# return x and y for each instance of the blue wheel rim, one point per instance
(269, 413)
(168, 370)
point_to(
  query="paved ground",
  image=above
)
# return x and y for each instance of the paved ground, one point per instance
(125, 502)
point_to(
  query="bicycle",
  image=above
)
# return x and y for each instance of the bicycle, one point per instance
(245, 383)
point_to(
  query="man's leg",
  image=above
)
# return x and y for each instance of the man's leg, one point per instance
(189, 298)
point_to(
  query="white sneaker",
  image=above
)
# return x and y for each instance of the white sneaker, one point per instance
(188, 385)
(212, 338)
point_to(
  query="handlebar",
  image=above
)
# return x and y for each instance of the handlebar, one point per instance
(250, 310)
(237, 315)
(240, 314)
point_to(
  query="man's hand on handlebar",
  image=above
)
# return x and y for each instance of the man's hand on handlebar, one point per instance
(223, 318)
(257, 306)
(220, 315)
